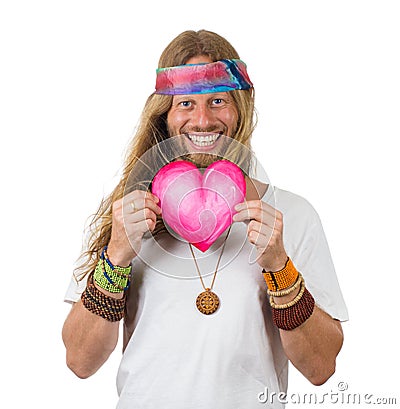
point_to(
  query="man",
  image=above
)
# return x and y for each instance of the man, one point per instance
(174, 356)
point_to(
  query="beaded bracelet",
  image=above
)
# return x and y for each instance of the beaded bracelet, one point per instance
(291, 303)
(289, 290)
(109, 308)
(120, 271)
(114, 279)
(281, 279)
(291, 315)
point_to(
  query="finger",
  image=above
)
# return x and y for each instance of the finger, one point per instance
(145, 225)
(259, 210)
(136, 230)
(132, 200)
(138, 216)
(256, 204)
(135, 235)
(260, 240)
(139, 199)
(255, 226)
(140, 204)
(140, 195)
(255, 214)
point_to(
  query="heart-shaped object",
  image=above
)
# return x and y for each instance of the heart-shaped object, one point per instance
(199, 207)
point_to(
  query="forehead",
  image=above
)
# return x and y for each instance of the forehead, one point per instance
(203, 97)
(199, 59)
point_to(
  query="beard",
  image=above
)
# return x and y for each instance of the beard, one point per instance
(201, 160)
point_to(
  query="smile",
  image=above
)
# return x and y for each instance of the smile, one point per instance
(202, 140)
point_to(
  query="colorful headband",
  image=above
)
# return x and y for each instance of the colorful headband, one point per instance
(219, 76)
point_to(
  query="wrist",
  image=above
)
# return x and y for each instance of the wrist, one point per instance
(277, 264)
(118, 257)
(117, 296)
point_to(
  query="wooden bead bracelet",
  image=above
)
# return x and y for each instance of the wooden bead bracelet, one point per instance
(95, 301)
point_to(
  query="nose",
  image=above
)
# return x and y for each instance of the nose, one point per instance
(203, 117)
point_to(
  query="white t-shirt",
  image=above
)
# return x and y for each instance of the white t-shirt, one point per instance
(175, 357)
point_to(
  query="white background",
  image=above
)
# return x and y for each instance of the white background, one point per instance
(74, 78)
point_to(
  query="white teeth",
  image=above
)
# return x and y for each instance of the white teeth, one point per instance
(203, 140)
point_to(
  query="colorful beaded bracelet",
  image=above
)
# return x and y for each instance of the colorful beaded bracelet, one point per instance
(120, 271)
(289, 290)
(281, 279)
(114, 279)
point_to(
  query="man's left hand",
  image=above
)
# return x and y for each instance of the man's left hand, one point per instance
(264, 231)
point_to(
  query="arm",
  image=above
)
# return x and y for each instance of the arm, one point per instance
(88, 338)
(313, 346)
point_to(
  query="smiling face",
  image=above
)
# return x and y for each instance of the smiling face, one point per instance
(201, 119)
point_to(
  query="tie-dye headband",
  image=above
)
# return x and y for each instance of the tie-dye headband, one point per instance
(219, 76)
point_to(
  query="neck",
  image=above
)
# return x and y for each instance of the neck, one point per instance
(255, 189)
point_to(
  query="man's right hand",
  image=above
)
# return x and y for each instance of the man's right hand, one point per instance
(132, 216)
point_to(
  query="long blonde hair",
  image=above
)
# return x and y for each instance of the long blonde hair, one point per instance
(153, 129)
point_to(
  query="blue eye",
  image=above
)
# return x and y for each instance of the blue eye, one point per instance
(185, 103)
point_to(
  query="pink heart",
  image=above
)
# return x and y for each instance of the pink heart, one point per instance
(199, 207)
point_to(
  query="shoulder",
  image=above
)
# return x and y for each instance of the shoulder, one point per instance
(290, 203)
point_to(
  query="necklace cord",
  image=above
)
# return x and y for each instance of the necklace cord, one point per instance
(216, 267)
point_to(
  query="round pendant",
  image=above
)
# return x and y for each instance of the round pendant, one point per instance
(207, 302)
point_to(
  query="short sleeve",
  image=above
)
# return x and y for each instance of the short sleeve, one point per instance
(75, 289)
(316, 264)
(305, 242)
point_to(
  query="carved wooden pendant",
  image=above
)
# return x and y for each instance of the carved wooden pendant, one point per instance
(207, 302)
